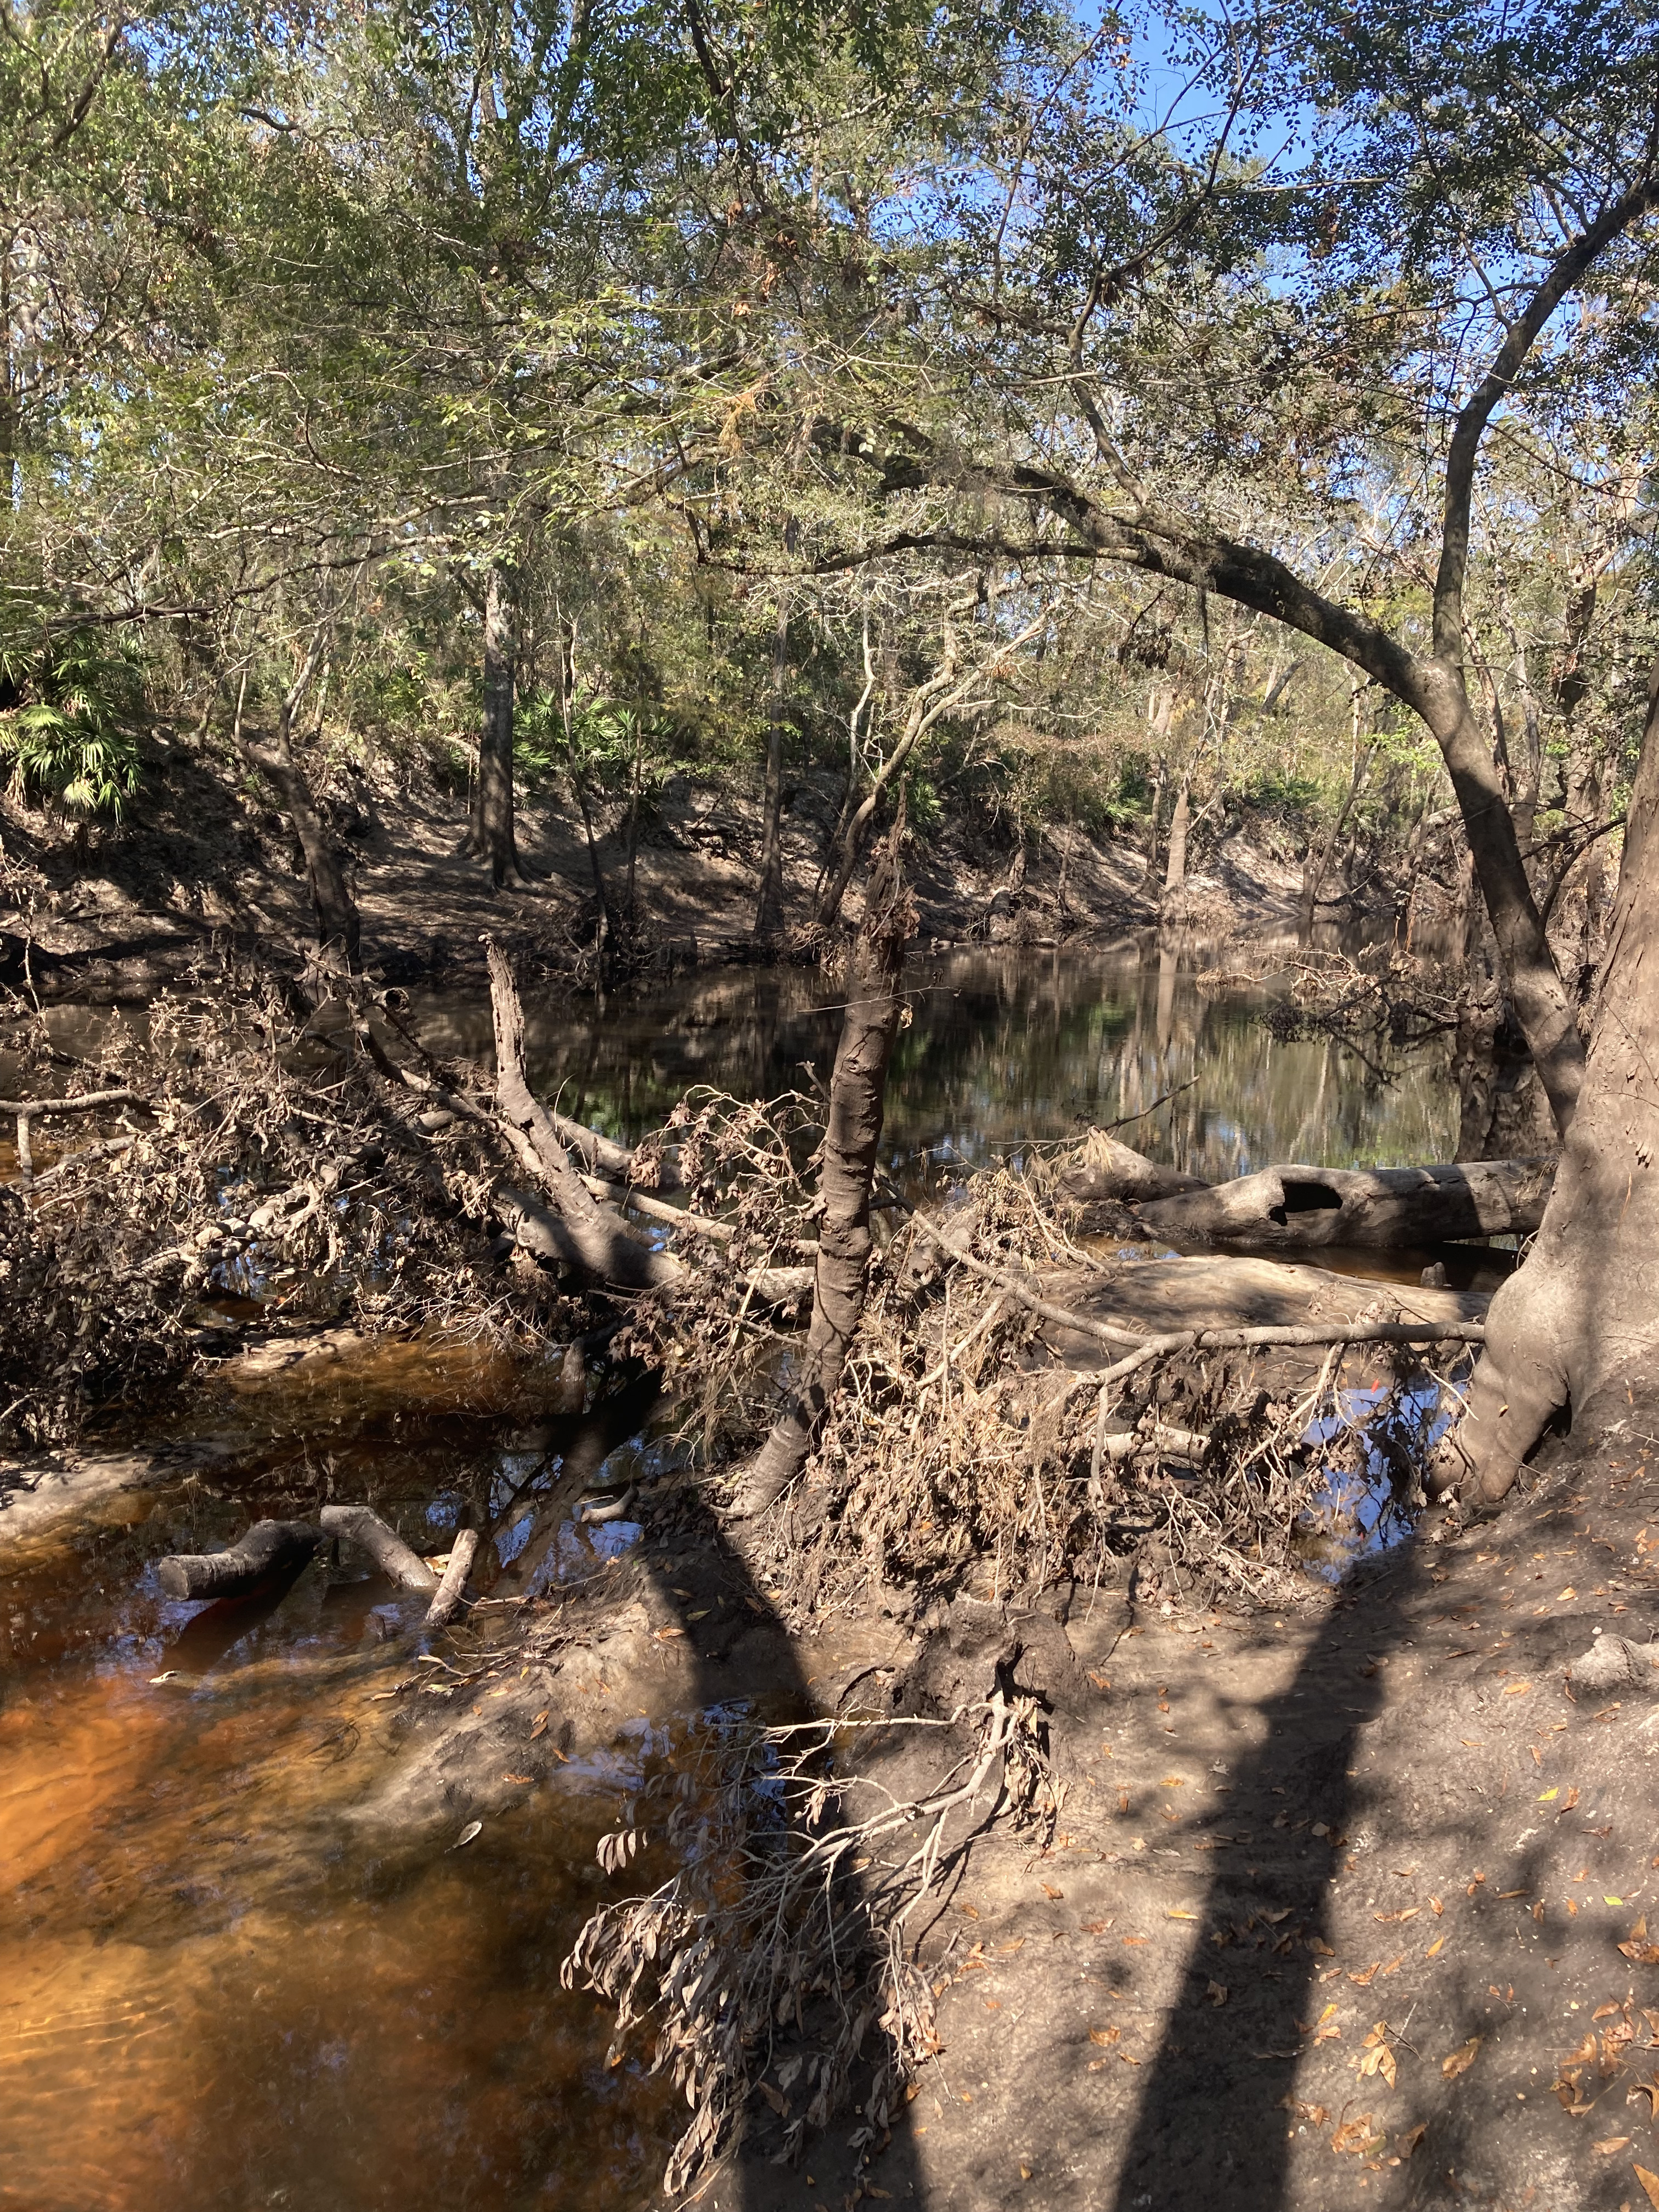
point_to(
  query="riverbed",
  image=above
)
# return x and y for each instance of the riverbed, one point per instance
(216, 1989)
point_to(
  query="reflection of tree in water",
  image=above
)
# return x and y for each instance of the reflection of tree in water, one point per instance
(1002, 1047)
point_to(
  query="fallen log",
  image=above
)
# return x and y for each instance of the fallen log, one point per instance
(268, 1548)
(453, 1589)
(1143, 1348)
(366, 1529)
(1104, 1168)
(536, 1230)
(1299, 1209)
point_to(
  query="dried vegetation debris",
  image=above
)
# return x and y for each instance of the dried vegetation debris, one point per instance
(781, 1945)
(262, 1159)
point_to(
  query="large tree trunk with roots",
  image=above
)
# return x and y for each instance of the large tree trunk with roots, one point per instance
(858, 1090)
(1300, 1209)
(492, 836)
(599, 1236)
(1583, 1308)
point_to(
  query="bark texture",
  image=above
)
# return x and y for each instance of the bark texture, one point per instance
(270, 1547)
(857, 1092)
(769, 910)
(492, 836)
(1583, 1307)
(360, 1525)
(1297, 1209)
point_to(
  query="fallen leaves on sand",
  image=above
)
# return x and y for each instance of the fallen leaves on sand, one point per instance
(1357, 2136)
(1364, 1981)
(1638, 1947)
(1376, 2057)
(1462, 2058)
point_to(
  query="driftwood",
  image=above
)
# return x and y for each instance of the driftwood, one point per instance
(384, 1545)
(453, 1589)
(1144, 1348)
(1298, 1209)
(30, 1109)
(1107, 1169)
(268, 1548)
(536, 1230)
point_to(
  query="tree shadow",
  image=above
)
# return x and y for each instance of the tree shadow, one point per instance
(1217, 2116)
(747, 1653)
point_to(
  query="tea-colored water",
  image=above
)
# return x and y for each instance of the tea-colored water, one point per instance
(216, 1989)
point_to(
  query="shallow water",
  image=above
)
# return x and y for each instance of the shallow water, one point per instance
(216, 1989)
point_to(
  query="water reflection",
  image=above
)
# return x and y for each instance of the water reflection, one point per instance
(1002, 1049)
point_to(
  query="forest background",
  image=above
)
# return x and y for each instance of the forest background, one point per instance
(1143, 424)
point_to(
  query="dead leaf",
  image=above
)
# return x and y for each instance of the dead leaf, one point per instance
(1435, 1947)
(1462, 2058)
(1364, 1981)
(1048, 1890)
(1317, 1944)
(1608, 2144)
(663, 1635)
(1105, 2036)
(1217, 1993)
(1649, 2183)
(776, 2099)
(1356, 2135)
(1407, 2143)
(1516, 1689)
(1173, 1782)
(1180, 1912)
(1280, 1912)
(1570, 1799)
(702, 1615)
(1007, 1950)
(518, 1778)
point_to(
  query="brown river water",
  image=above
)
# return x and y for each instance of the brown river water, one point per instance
(219, 1989)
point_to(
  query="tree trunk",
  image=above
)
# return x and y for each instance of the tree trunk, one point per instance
(858, 1090)
(332, 904)
(492, 837)
(597, 1233)
(768, 909)
(1542, 1005)
(1583, 1307)
(1297, 1209)
(268, 1547)
(1174, 870)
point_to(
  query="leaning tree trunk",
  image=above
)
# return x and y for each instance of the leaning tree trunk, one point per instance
(858, 1089)
(1583, 1307)
(598, 1237)
(492, 836)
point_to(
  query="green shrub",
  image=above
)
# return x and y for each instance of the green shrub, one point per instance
(69, 732)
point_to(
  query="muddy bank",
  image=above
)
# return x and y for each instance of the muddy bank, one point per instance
(196, 868)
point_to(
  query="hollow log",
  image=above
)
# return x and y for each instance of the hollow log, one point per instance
(1298, 1209)
(384, 1545)
(453, 1589)
(268, 1547)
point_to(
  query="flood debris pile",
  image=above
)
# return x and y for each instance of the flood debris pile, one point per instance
(778, 1951)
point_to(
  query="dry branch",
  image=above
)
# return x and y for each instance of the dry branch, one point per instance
(383, 1545)
(268, 1548)
(452, 1588)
